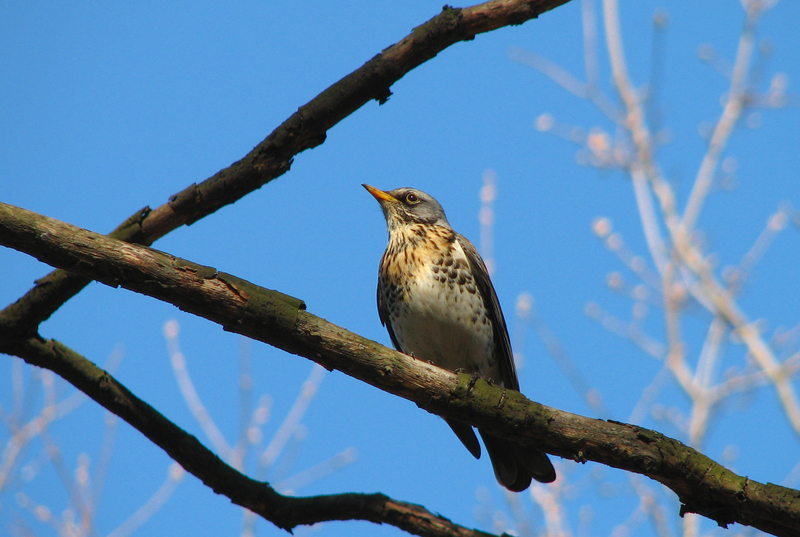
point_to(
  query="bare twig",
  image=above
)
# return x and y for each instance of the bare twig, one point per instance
(731, 112)
(174, 476)
(190, 395)
(710, 292)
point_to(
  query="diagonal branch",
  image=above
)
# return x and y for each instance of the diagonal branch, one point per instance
(305, 129)
(286, 512)
(735, 104)
(703, 486)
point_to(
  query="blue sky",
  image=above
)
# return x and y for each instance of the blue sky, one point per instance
(108, 108)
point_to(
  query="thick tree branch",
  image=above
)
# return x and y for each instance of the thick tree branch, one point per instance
(305, 129)
(703, 486)
(286, 512)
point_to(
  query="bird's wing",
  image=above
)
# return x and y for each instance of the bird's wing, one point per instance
(383, 313)
(502, 344)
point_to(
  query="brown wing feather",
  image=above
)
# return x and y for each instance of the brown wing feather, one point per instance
(383, 314)
(514, 464)
(502, 344)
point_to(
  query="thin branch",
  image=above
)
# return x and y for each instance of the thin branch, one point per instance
(551, 70)
(732, 111)
(710, 293)
(724, 305)
(174, 476)
(242, 449)
(634, 117)
(590, 60)
(649, 218)
(324, 468)
(527, 314)
(190, 396)
(776, 223)
(703, 486)
(152, 505)
(292, 420)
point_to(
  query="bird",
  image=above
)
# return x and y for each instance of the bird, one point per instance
(438, 304)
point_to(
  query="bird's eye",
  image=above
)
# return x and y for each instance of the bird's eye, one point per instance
(412, 198)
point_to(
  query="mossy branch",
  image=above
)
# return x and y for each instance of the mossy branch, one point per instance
(702, 485)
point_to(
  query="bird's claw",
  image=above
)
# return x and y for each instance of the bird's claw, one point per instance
(473, 379)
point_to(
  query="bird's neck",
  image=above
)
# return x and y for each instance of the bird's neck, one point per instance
(412, 248)
(417, 234)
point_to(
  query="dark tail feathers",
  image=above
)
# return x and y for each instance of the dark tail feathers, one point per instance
(515, 465)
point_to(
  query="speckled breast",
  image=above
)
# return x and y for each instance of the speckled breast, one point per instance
(435, 309)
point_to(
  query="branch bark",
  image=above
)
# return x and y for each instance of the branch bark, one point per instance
(271, 158)
(286, 512)
(703, 486)
(305, 129)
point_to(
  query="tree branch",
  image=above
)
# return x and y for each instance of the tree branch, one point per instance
(286, 512)
(703, 486)
(305, 129)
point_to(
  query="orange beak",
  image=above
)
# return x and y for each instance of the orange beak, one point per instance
(379, 195)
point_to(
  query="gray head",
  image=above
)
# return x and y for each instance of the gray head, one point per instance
(406, 206)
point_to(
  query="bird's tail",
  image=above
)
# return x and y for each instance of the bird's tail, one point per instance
(515, 465)
(466, 434)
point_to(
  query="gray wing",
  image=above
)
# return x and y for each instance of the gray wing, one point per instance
(502, 344)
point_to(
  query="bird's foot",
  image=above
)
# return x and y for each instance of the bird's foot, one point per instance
(473, 379)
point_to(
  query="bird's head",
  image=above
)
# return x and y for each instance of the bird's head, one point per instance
(407, 206)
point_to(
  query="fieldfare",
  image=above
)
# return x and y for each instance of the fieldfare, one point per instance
(438, 304)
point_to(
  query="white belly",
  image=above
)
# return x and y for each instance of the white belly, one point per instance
(444, 323)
